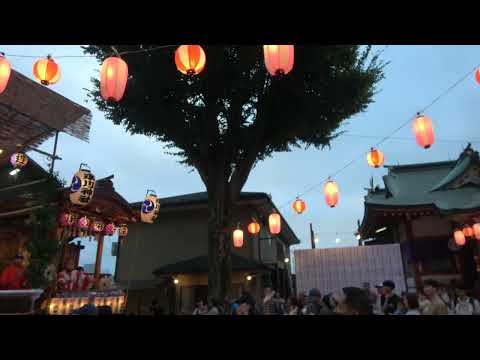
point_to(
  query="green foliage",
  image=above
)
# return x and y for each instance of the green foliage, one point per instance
(42, 246)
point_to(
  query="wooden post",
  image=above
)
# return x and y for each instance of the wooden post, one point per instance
(312, 236)
(98, 260)
(54, 153)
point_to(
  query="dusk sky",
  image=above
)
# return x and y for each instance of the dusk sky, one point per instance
(415, 76)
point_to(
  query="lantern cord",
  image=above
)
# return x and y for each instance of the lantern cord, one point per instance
(410, 139)
(389, 136)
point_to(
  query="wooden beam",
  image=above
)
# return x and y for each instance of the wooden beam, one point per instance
(23, 185)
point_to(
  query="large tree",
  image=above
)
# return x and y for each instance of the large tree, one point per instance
(232, 115)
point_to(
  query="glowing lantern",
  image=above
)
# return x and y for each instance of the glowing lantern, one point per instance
(278, 59)
(375, 158)
(459, 237)
(97, 226)
(299, 206)
(331, 193)
(476, 231)
(123, 230)
(5, 70)
(67, 219)
(467, 231)
(423, 129)
(83, 223)
(109, 229)
(238, 238)
(274, 223)
(477, 75)
(150, 207)
(18, 160)
(113, 78)
(82, 187)
(190, 59)
(254, 227)
(46, 71)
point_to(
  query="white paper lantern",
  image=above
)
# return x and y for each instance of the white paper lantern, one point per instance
(150, 208)
(82, 188)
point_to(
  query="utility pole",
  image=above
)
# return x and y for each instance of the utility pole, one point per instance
(312, 236)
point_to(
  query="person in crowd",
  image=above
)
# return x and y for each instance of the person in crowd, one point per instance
(83, 280)
(87, 309)
(244, 307)
(413, 306)
(155, 308)
(314, 304)
(302, 299)
(352, 301)
(389, 300)
(444, 295)
(329, 303)
(464, 304)
(214, 308)
(433, 304)
(377, 306)
(280, 306)
(293, 306)
(401, 307)
(200, 308)
(269, 306)
(13, 276)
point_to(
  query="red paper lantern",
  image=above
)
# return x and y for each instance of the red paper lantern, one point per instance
(275, 223)
(83, 223)
(423, 129)
(46, 71)
(331, 193)
(113, 78)
(123, 230)
(254, 227)
(238, 238)
(278, 59)
(97, 226)
(190, 59)
(459, 237)
(299, 206)
(5, 70)
(375, 158)
(477, 75)
(476, 231)
(467, 231)
(109, 229)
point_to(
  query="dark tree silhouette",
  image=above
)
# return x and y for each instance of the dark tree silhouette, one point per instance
(225, 120)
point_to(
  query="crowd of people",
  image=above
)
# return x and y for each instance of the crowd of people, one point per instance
(432, 299)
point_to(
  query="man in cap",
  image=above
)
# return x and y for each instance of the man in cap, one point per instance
(389, 300)
(13, 275)
(434, 305)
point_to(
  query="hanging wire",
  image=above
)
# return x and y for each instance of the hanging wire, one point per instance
(390, 135)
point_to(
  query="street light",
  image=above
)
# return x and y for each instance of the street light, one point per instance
(249, 277)
(315, 240)
(286, 260)
(175, 281)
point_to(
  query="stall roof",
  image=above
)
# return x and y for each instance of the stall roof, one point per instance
(30, 113)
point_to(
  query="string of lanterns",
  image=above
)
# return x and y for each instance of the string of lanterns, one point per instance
(460, 236)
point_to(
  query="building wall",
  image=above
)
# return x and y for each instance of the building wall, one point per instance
(426, 226)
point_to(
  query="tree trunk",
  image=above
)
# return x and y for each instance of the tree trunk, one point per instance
(219, 248)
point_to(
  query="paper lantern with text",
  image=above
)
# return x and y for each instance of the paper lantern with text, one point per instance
(150, 208)
(82, 187)
(113, 78)
(5, 70)
(18, 160)
(67, 219)
(83, 223)
(190, 59)
(238, 238)
(459, 237)
(476, 231)
(109, 229)
(278, 59)
(123, 230)
(274, 223)
(254, 227)
(375, 158)
(299, 206)
(331, 193)
(423, 130)
(467, 231)
(46, 71)
(97, 226)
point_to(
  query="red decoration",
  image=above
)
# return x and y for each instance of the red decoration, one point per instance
(423, 129)
(254, 227)
(190, 59)
(375, 158)
(46, 71)
(5, 70)
(278, 59)
(459, 237)
(274, 223)
(113, 78)
(299, 206)
(476, 231)
(109, 229)
(467, 231)
(238, 238)
(331, 193)
(477, 75)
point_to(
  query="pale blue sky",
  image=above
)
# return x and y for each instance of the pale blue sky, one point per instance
(415, 76)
